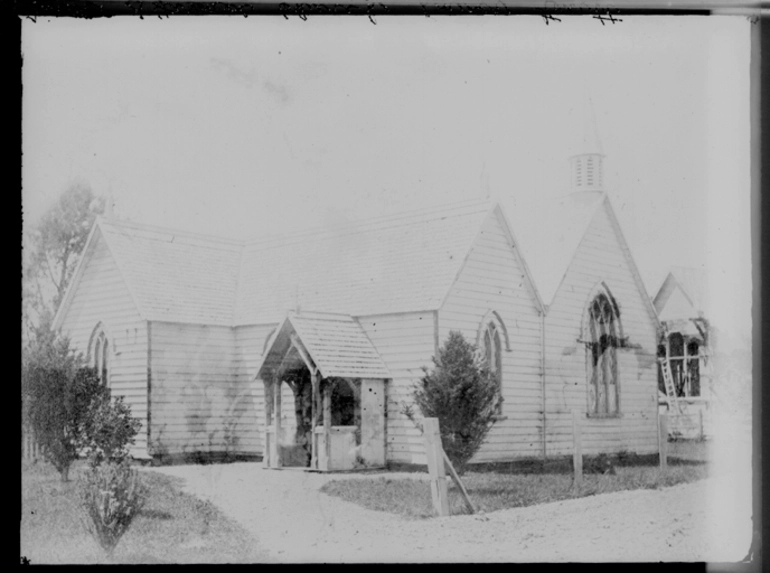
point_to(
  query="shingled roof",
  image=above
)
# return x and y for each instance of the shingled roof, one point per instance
(393, 264)
(398, 263)
(335, 343)
(173, 276)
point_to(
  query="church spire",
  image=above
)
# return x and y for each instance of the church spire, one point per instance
(587, 166)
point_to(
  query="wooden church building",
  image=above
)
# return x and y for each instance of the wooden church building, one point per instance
(304, 349)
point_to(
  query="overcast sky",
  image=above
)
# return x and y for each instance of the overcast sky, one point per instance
(241, 127)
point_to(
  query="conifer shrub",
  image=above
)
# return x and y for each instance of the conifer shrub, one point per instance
(463, 393)
(111, 495)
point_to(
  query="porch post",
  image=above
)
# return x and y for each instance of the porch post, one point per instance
(314, 382)
(327, 409)
(267, 442)
(275, 449)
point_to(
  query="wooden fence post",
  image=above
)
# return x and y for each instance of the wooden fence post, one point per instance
(434, 452)
(458, 482)
(577, 454)
(700, 414)
(663, 441)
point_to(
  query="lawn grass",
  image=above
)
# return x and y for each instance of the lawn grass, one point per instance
(520, 485)
(173, 527)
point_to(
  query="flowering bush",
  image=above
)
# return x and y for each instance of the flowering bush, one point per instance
(111, 495)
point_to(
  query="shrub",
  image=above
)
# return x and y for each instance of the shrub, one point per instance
(57, 394)
(109, 429)
(68, 408)
(463, 394)
(111, 495)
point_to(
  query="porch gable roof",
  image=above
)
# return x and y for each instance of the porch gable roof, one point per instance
(335, 344)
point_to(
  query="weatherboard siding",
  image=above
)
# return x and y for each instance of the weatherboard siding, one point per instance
(492, 279)
(200, 402)
(101, 295)
(600, 257)
(250, 343)
(405, 342)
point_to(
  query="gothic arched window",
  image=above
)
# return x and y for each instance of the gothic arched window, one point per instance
(492, 352)
(99, 354)
(604, 339)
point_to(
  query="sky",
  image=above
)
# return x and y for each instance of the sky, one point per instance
(241, 127)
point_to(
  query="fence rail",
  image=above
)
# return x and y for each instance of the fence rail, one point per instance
(695, 420)
(30, 448)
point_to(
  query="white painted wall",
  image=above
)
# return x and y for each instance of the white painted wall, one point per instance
(600, 257)
(492, 279)
(102, 296)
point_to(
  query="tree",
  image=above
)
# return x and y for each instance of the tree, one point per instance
(57, 395)
(53, 247)
(463, 393)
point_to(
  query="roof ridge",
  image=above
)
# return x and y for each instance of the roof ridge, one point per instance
(312, 313)
(398, 219)
(170, 230)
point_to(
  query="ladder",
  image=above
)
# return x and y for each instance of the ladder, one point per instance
(668, 381)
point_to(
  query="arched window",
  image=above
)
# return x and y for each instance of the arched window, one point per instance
(492, 338)
(99, 354)
(604, 339)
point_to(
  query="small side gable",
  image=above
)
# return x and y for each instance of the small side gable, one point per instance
(664, 292)
(677, 306)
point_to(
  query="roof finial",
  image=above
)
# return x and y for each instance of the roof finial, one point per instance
(591, 141)
(485, 181)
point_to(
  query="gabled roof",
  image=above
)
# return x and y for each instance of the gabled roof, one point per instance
(549, 230)
(691, 282)
(391, 264)
(334, 343)
(399, 263)
(173, 276)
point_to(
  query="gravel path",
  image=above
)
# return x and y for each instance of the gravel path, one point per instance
(294, 522)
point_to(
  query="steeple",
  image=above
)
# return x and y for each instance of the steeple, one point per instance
(586, 166)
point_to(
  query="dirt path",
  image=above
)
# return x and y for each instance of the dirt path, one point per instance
(703, 521)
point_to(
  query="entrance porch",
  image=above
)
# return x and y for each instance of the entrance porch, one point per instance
(338, 387)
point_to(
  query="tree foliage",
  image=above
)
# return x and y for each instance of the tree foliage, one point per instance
(69, 409)
(463, 393)
(57, 393)
(54, 246)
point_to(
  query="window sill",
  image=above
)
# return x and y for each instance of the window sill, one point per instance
(600, 416)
